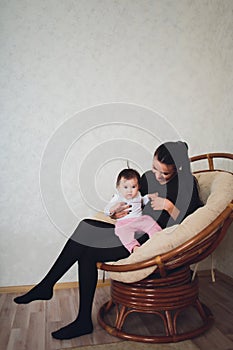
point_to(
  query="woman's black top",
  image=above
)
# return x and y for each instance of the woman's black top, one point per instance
(187, 201)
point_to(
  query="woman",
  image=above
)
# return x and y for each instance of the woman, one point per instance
(176, 196)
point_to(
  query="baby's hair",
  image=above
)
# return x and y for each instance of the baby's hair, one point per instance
(128, 174)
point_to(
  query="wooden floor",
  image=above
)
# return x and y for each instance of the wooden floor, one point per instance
(28, 327)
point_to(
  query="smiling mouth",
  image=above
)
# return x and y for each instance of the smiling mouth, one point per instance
(162, 181)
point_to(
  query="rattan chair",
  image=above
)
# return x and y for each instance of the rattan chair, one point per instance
(170, 291)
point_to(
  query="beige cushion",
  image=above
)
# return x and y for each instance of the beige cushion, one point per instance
(100, 216)
(216, 191)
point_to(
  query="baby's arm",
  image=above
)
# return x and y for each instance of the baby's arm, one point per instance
(145, 199)
(116, 207)
(111, 207)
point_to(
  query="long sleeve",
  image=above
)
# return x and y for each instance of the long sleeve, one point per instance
(145, 200)
(113, 201)
(144, 185)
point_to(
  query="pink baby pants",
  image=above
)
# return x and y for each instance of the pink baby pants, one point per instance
(125, 229)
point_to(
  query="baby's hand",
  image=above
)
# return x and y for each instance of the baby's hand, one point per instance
(135, 248)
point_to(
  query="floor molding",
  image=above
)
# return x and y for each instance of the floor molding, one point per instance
(206, 273)
(63, 285)
(225, 277)
(67, 285)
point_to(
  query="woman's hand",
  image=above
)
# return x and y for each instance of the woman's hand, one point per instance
(159, 203)
(119, 210)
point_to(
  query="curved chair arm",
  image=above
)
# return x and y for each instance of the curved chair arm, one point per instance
(210, 157)
(129, 267)
(159, 260)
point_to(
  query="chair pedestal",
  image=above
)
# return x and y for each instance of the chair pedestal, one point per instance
(165, 297)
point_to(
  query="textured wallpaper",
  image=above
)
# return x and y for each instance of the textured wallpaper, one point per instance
(168, 64)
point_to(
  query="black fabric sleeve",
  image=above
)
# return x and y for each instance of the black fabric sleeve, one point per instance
(143, 185)
(195, 202)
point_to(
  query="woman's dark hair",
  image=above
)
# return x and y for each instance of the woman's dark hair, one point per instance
(174, 153)
(128, 174)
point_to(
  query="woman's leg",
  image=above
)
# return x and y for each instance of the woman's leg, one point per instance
(103, 246)
(88, 232)
(87, 284)
(71, 252)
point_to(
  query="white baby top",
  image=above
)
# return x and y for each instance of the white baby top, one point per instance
(136, 203)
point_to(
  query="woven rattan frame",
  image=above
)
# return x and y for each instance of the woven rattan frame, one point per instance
(171, 289)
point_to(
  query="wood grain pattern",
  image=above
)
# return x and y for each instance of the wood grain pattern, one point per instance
(27, 327)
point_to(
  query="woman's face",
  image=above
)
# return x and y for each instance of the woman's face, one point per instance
(163, 172)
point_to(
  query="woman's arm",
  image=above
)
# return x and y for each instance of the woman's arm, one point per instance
(121, 210)
(159, 203)
(172, 210)
(115, 209)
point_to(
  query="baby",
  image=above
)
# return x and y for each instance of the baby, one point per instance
(128, 191)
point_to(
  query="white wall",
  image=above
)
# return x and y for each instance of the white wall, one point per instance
(62, 57)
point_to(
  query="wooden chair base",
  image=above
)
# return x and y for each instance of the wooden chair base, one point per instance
(165, 297)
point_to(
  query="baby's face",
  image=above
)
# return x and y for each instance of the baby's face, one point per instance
(128, 188)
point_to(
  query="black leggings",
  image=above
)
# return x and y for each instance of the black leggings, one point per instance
(92, 241)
